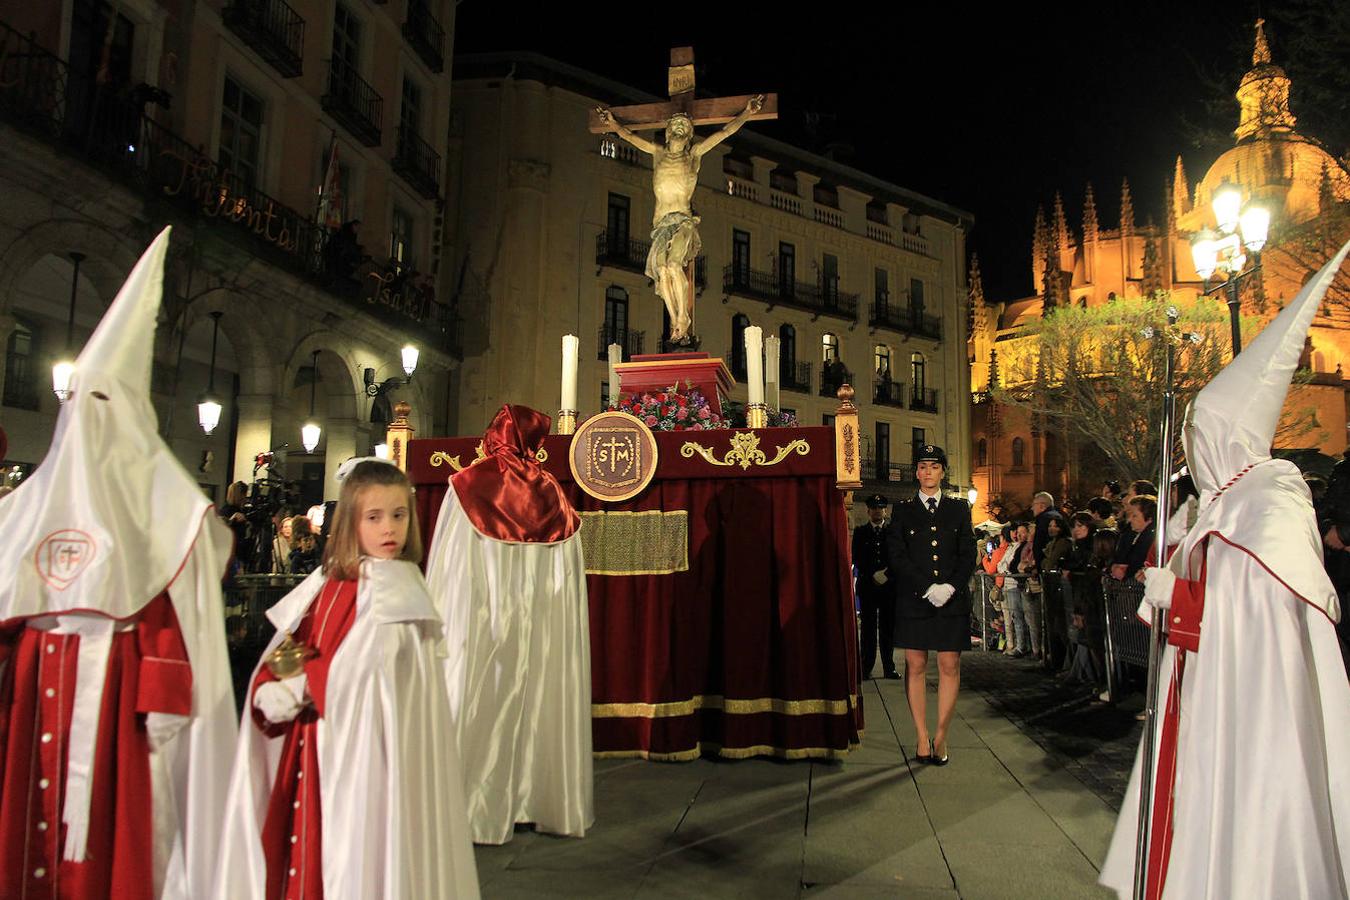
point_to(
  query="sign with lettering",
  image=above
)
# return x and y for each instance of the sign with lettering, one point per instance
(613, 456)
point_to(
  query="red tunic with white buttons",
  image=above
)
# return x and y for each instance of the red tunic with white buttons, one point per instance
(292, 831)
(147, 671)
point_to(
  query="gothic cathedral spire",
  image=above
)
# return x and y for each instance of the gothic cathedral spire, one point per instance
(1089, 215)
(1181, 195)
(1126, 210)
(1039, 239)
(1062, 239)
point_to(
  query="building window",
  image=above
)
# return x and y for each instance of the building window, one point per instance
(616, 317)
(787, 354)
(347, 37)
(881, 359)
(883, 447)
(1019, 451)
(829, 348)
(410, 112)
(882, 288)
(616, 224)
(982, 452)
(917, 367)
(916, 296)
(740, 257)
(829, 280)
(241, 118)
(739, 323)
(917, 439)
(20, 389)
(787, 269)
(401, 252)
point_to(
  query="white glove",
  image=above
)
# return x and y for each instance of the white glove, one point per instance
(160, 728)
(880, 577)
(281, 701)
(939, 594)
(1158, 584)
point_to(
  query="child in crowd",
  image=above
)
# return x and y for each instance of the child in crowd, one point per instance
(305, 556)
(345, 784)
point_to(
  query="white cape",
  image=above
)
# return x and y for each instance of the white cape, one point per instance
(1262, 797)
(519, 675)
(390, 786)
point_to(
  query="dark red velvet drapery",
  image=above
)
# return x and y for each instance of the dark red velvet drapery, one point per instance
(752, 651)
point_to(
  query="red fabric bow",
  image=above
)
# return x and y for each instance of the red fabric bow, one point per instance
(508, 496)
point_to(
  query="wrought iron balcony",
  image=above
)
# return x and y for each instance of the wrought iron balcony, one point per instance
(425, 35)
(417, 164)
(41, 95)
(630, 339)
(890, 393)
(796, 377)
(886, 471)
(354, 103)
(271, 29)
(908, 320)
(832, 377)
(821, 299)
(619, 251)
(923, 400)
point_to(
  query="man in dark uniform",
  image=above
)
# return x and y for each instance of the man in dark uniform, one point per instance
(931, 549)
(876, 588)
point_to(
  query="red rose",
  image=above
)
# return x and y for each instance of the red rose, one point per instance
(651, 421)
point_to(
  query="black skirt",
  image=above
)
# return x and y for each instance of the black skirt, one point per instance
(933, 633)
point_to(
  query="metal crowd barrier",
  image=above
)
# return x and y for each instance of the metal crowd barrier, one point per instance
(987, 604)
(1126, 634)
(247, 631)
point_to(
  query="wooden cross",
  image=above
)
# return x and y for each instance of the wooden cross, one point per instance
(680, 86)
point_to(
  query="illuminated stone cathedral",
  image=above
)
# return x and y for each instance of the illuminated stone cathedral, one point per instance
(1015, 455)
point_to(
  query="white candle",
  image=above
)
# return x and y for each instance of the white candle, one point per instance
(771, 371)
(754, 363)
(571, 347)
(615, 357)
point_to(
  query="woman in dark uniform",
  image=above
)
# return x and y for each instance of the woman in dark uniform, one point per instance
(932, 553)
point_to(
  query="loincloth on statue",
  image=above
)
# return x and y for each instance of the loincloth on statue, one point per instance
(675, 242)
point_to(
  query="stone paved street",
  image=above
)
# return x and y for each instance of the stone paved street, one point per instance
(1024, 810)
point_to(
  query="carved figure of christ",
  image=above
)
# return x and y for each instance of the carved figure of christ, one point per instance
(675, 166)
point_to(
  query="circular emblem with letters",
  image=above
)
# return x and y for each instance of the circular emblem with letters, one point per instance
(613, 456)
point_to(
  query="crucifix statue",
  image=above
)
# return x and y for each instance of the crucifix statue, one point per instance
(675, 165)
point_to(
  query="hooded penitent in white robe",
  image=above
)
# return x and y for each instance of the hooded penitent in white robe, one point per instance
(391, 794)
(507, 573)
(1252, 794)
(116, 709)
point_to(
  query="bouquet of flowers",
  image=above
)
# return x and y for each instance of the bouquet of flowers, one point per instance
(672, 409)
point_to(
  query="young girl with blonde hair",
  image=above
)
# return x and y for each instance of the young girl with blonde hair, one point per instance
(345, 784)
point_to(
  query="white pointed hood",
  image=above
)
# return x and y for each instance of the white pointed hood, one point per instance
(1255, 503)
(108, 519)
(1231, 423)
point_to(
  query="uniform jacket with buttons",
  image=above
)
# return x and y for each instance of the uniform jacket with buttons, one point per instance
(928, 548)
(869, 555)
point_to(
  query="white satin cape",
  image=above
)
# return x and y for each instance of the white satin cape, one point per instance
(519, 675)
(394, 826)
(1262, 798)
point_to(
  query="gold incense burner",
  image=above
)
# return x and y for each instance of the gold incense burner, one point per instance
(288, 659)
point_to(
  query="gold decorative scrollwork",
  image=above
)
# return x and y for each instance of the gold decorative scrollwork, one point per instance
(745, 451)
(441, 458)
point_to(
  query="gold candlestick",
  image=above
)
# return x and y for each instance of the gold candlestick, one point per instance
(567, 421)
(757, 415)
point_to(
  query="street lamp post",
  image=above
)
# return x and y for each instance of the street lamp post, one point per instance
(65, 367)
(1241, 231)
(310, 431)
(209, 407)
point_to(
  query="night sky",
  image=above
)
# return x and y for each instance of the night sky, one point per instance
(989, 111)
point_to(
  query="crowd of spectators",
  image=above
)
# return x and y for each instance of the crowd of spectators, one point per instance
(270, 540)
(1046, 570)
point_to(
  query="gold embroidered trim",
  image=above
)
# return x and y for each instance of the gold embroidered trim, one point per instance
(618, 542)
(745, 451)
(733, 752)
(441, 458)
(732, 707)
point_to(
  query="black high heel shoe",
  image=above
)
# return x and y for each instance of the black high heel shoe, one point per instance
(924, 759)
(938, 760)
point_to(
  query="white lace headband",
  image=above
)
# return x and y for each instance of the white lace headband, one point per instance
(346, 468)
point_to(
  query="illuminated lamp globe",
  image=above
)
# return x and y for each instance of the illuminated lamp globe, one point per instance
(62, 372)
(1227, 204)
(410, 355)
(1205, 253)
(1255, 227)
(971, 495)
(208, 413)
(309, 435)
